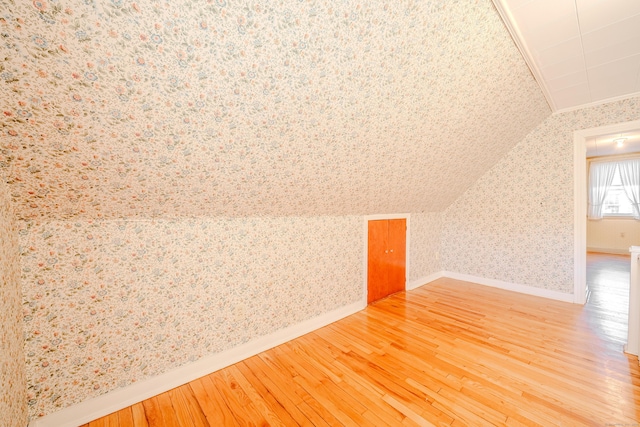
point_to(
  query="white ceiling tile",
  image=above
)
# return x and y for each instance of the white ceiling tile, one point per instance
(541, 11)
(615, 78)
(516, 4)
(595, 14)
(572, 96)
(570, 65)
(559, 53)
(565, 38)
(627, 29)
(612, 53)
(550, 32)
(567, 81)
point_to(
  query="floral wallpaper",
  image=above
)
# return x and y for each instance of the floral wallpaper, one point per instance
(425, 245)
(13, 408)
(516, 222)
(109, 302)
(120, 108)
(178, 167)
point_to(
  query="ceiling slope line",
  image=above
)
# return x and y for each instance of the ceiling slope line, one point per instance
(598, 102)
(584, 59)
(516, 35)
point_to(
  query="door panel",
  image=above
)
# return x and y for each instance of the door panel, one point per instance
(397, 253)
(377, 262)
(386, 258)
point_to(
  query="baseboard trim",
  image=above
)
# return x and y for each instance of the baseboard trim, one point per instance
(115, 400)
(423, 280)
(508, 286)
(609, 251)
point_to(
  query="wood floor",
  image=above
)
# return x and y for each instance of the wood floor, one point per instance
(608, 297)
(450, 353)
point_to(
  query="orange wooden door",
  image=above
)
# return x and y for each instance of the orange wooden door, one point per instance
(386, 271)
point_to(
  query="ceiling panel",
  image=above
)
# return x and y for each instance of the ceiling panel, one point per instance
(559, 52)
(615, 78)
(568, 97)
(580, 51)
(612, 35)
(595, 14)
(612, 53)
(568, 80)
(570, 65)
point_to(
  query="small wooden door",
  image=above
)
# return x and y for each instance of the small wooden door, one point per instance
(386, 272)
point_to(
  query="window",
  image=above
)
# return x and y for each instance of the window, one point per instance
(614, 188)
(616, 203)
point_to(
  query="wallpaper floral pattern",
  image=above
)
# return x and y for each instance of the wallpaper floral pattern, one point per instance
(13, 408)
(516, 223)
(111, 302)
(146, 108)
(425, 245)
(169, 156)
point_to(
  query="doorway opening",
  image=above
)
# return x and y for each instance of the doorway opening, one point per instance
(601, 267)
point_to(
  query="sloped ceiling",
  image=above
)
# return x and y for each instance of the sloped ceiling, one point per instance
(118, 109)
(582, 51)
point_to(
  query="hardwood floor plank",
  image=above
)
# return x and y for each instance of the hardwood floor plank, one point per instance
(267, 403)
(290, 401)
(125, 417)
(195, 411)
(139, 416)
(169, 416)
(152, 412)
(180, 408)
(213, 406)
(448, 354)
(270, 417)
(235, 399)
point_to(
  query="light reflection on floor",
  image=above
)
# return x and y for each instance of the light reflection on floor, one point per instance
(608, 300)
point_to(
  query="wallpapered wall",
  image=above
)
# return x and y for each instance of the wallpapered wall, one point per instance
(115, 109)
(425, 245)
(13, 407)
(516, 222)
(108, 303)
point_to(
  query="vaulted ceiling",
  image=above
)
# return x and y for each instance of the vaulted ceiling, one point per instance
(117, 109)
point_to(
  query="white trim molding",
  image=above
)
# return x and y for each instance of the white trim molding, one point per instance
(633, 333)
(494, 283)
(414, 284)
(608, 251)
(508, 286)
(115, 400)
(597, 103)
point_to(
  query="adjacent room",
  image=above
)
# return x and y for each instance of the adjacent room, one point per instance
(613, 227)
(308, 212)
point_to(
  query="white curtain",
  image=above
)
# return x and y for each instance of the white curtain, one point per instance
(630, 177)
(600, 178)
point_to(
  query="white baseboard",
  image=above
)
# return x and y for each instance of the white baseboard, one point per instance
(609, 251)
(523, 289)
(423, 280)
(115, 400)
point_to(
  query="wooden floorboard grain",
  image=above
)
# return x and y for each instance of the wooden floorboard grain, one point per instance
(449, 353)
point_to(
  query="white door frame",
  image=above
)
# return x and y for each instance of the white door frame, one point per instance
(580, 201)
